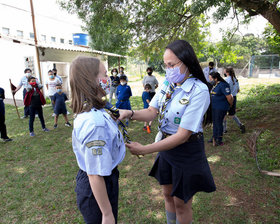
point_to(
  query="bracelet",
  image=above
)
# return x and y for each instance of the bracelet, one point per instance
(132, 114)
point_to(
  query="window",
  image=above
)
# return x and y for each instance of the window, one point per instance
(61, 40)
(53, 39)
(5, 30)
(71, 42)
(31, 35)
(43, 37)
(20, 33)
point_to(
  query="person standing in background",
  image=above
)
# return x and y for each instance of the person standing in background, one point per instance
(3, 129)
(51, 83)
(122, 73)
(222, 100)
(115, 80)
(24, 82)
(152, 80)
(57, 76)
(234, 88)
(208, 70)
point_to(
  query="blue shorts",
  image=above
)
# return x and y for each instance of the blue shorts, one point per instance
(86, 201)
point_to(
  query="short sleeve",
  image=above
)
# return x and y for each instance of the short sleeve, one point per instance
(65, 97)
(20, 83)
(194, 112)
(54, 97)
(225, 89)
(144, 80)
(98, 159)
(154, 101)
(156, 81)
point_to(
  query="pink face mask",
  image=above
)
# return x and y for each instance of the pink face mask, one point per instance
(105, 84)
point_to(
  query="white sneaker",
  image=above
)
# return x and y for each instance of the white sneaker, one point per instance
(53, 114)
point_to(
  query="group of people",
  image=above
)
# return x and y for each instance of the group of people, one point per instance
(122, 91)
(223, 98)
(185, 103)
(34, 99)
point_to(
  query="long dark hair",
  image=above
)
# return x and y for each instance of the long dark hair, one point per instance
(217, 75)
(232, 74)
(184, 51)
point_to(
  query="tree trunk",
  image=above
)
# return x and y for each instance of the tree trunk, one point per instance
(268, 10)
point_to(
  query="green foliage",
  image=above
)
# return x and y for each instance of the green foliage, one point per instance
(272, 39)
(233, 49)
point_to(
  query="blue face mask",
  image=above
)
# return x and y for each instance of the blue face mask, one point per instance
(174, 75)
(51, 76)
(59, 90)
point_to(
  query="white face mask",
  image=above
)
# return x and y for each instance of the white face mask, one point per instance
(114, 73)
(28, 74)
(123, 83)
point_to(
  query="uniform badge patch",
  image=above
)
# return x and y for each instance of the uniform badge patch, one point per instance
(95, 143)
(227, 90)
(177, 120)
(184, 101)
(96, 152)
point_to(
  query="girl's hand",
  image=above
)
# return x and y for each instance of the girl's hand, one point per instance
(124, 114)
(136, 148)
(108, 219)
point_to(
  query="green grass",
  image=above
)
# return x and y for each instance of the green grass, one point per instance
(37, 175)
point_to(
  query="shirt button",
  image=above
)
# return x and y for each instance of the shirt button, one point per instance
(177, 112)
(95, 110)
(166, 111)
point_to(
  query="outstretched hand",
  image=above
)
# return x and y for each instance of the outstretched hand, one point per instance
(136, 148)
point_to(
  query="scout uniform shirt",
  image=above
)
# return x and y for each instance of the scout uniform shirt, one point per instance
(233, 87)
(97, 142)
(218, 96)
(187, 106)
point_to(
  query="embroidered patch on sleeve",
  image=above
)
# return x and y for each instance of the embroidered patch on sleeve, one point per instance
(95, 143)
(227, 90)
(96, 152)
(177, 120)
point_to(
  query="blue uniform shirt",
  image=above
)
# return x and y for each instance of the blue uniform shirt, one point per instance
(234, 87)
(186, 108)
(2, 105)
(146, 96)
(218, 96)
(123, 94)
(97, 142)
(59, 100)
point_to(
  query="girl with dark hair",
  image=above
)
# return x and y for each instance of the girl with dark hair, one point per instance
(221, 101)
(97, 142)
(181, 165)
(234, 88)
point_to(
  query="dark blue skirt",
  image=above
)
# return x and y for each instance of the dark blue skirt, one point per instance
(186, 168)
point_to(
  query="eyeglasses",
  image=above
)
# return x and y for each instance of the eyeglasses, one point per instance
(169, 65)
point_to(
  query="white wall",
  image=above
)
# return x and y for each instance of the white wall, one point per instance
(13, 64)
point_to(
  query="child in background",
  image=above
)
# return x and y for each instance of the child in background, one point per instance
(146, 97)
(51, 83)
(35, 99)
(59, 99)
(3, 129)
(123, 94)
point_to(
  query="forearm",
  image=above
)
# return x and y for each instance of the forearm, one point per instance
(148, 114)
(99, 191)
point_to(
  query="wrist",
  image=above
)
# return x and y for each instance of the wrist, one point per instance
(132, 113)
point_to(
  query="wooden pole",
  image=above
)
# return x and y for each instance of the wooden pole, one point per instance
(35, 40)
(14, 99)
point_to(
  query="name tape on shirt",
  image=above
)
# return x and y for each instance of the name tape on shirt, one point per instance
(95, 143)
(96, 152)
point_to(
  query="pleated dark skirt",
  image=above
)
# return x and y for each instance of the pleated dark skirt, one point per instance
(186, 168)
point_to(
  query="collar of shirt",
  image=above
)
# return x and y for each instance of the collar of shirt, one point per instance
(188, 84)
